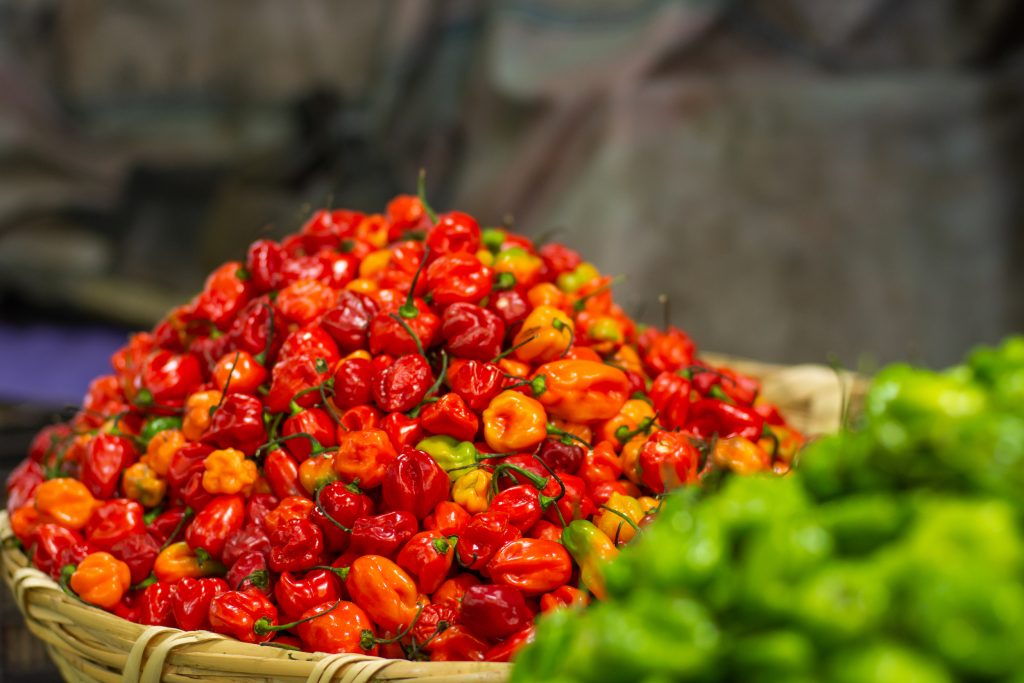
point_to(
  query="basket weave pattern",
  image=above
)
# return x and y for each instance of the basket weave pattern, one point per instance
(90, 645)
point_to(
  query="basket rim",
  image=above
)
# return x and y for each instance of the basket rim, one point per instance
(153, 648)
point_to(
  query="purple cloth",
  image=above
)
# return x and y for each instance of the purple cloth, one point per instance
(50, 365)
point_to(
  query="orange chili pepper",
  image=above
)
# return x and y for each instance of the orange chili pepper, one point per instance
(101, 579)
(178, 560)
(545, 294)
(514, 422)
(521, 263)
(362, 285)
(245, 372)
(740, 455)
(546, 334)
(580, 431)
(364, 455)
(229, 471)
(141, 482)
(626, 357)
(470, 490)
(317, 472)
(514, 368)
(634, 417)
(67, 501)
(198, 412)
(583, 390)
(25, 522)
(161, 448)
(610, 520)
(384, 591)
(292, 507)
(630, 458)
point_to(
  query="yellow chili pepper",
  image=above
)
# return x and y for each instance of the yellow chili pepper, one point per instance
(592, 549)
(521, 263)
(514, 422)
(198, 407)
(161, 449)
(633, 416)
(177, 561)
(374, 229)
(615, 525)
(228, 471)
(485, 256)
(101, 579)
(66, 501)
(649, 504)
(546, 335)
(141, 483)
(317, 472)
(374, 263)
(630, 458)
(740, 455)
(470, 490)
(583, 390)
(363, 286)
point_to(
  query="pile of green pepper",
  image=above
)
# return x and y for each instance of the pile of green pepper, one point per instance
(894, 554)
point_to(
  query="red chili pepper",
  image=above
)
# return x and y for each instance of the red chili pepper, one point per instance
(295, 545)
(263, 263)
(511, 306)
(573, 504)
(389, 336)
(458, 278)
(113, 521)
(563, 596)
(258, 506)
(364, 456)
(454, 232)
(448, 517)
(339, 506)
(738, 388)
(477, 383)
(238, 424)
(470, 331)
(670, 350)
(104, 460)
(532, 565)
(711, 416)
(352, 383)
(384, 590)
(311, 341)
(545, 530)
(507, 649)
(560, 456)
(349, 321)
(600, 464)
(292, 507)
(382, 534)
(22, 483)
(212, 526)
(255, 332)
(403, 431)
(401, 386)
(427, 557)
(485, 533)
(282, 474)
(296, 595)
(494, 611)
(337, 627)
(414, 482)
(139, 552)
(166, 524)
(166, 379)
(558, 259)
(458, 644)
(56, 546)
(250, 572)
(521, 504)
(248, 539)
(434, 620)
(223, 295)
(359, 418)
(450, 416)
(235, 614)
(191, 601)
(156, 606)
(187, 465)
(450, 593)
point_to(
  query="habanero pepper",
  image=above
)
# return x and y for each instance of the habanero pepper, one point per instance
(139, 552)
(448, 517)
(471, 490)
(178, 560)
(582, 390)
(713, 416)
(510, 646)
(105, 459)
(352, 379)
(450, 416)
(235, 613)
(546, 334)
(531, 565)
(113, 520)
(296, 545)
(65, 501)
(427, 557)
(403, 431)
(314, 422)
(22, 482)
(592, 549)
(453, 232)
(191, 601)
(388, 333)
(311, 341)
(415, 482)
(619, 518)
(282, 474)
(364, 456)
(358, 418)
(522, 505)
(237, 424)
(166, 379)
(101, 579)
(472, 332)
(295, 379)
(240, 372)
(402, 385)
(348, 322)
(251, 572)
(314, 474)
(55, 546)
(482, 537)
(336, 510)
(476, 383)
(382, 534)
(494, 611)
(514, 422)
(140, 482)
(337, 627)
(199, 408)
(303, 301)
(458, 278)
(215, 523)
(665, 351)
(384, 590)
(668, 460)
(156, 605)
(740, 455)
(295, 595)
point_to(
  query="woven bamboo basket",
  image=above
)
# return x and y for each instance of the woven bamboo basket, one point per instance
(89, 645)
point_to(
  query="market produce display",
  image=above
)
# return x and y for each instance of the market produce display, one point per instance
(392, 434)
(894, 553)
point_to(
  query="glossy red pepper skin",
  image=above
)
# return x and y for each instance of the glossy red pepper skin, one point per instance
(433, 620)
(357, 419)
(282, 474)
(563, 596)
(293, 376)
(104, 460)
(251, 572)
(511, 306)
(256, 332)
(311, 341)
(454, 232)
(414, 482)
(401, 386)
(348, 322)
(139, 552)
(156, 605)
(316, 423)
(665, 387)
(383, 589)
(574, 504)
(352, 383)
(185, 464)
(712, 416)
(296, 594)
(263, 262)
(665, 351)
(403, 431)
(485, 533)
(238, 423)
(22, 483)
(389, 336)
(531, 565)
(191, 601)
(451, 591)
(427, 557)
(249, 538)
(298, 544)
(168, 378)
(223, 295)
(458, 278)
(215, 523)
(339, 629)
(507, 649)
(494, 611)
(165, 524)
(114, 520)
(56, 546)
(382, 534)
(668, 460)
(521, 504)
(477, 383)
(558, 259)
(472, 332)
(235, 614)
(450, 416)
(560, 456)
(344, 506)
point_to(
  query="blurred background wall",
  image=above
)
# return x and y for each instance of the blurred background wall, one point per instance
(804, 178)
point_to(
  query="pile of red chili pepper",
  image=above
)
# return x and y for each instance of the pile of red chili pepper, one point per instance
(394, 434)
